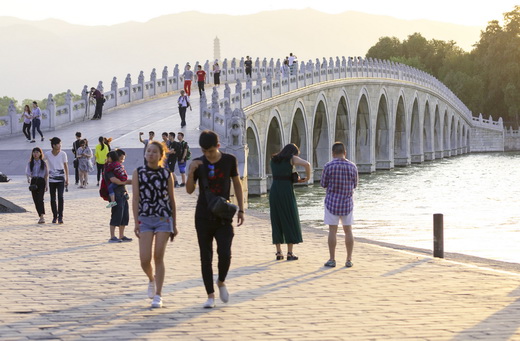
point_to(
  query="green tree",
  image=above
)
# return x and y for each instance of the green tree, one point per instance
(4, 104)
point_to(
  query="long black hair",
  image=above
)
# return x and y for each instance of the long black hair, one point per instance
(286, 153)
(101, 140)
(31, 162)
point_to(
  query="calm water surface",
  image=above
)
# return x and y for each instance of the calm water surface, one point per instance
(479, 195)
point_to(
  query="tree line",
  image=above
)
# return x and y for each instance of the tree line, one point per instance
(59, 99)
(487, 79)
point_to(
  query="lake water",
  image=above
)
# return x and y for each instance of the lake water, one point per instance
(478, 194)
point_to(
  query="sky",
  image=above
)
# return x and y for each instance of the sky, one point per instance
(111, 12)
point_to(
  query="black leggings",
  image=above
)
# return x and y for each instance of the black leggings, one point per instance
(100, 167)
(223, 234)
(38, 195)
(27, 130)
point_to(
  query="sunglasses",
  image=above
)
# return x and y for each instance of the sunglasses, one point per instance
(211, 172)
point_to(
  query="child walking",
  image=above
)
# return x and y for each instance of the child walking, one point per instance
(153, 206)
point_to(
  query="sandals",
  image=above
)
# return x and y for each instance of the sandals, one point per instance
(279, 256)
(291, 256)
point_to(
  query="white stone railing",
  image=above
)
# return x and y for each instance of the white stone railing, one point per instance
(488, 124)
(267, 82)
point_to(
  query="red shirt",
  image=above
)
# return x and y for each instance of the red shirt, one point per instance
(201, 75)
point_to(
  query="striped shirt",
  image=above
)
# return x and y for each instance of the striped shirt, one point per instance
(339, 178)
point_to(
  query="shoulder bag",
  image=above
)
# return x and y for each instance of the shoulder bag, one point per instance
(219, 206)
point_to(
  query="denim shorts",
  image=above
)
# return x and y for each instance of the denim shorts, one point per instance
(155, 224)
(182, 167)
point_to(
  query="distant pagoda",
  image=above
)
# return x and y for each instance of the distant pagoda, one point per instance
(216, 49)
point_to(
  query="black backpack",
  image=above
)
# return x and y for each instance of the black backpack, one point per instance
(3, 177)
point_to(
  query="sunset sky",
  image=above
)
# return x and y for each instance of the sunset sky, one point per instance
(102, 12)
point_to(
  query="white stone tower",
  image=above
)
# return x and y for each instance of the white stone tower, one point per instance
(216, 49)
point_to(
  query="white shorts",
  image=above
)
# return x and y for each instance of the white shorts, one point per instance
(331, 219)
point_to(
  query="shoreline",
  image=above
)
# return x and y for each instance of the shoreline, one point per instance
(19, 181)
(448, 256)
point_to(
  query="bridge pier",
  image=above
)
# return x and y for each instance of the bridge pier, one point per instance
(385, 165)
(418, 158)
(364, 168)
(447, 153)
(402, 162)
(439, 154)
(429, 156)
(257, 186)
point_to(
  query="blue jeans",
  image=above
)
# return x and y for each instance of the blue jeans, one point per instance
(36, 126)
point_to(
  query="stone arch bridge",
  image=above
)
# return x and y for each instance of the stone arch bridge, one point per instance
(387, 115)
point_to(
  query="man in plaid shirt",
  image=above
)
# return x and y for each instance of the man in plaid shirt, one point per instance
(339, 178)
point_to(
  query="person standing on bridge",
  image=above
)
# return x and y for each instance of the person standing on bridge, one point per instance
(201, 79)
(285, 219)
(100, 100)
(100, 154)
(249, 66)
(339, 178)
(216, 74)
(188, 77)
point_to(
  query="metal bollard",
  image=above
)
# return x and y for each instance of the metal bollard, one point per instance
(438, 235)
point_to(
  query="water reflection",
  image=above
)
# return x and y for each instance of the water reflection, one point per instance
(478, 194)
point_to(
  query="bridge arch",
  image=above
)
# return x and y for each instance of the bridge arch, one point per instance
(416, 149)
(428, 132)
(254, 159)
(274, 141)
(400, 134)
(320, 134)
(298, 129)
(382, 138)
(446, 137)
(343, 122)
(363, 153)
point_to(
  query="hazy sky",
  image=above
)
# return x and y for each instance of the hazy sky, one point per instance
(109, 12)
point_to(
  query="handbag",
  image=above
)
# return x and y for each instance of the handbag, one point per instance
(76, 163)
(219, 206)
(33, 187)
(294, 177)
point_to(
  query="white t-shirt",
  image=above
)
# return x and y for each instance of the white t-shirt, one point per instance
(56, 166)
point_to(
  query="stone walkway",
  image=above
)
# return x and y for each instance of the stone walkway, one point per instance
(65, 282)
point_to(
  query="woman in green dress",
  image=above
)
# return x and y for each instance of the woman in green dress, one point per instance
(285, 219)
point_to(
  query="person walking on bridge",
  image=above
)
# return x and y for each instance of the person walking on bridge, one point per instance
(201, 79)
(188, 77)
(339, 178)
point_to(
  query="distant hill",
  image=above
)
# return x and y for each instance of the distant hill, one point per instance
(51, 56)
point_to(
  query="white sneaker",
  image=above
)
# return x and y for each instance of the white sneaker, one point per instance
(224, 294)
(151, 289)
(210, 303)
(157, 302)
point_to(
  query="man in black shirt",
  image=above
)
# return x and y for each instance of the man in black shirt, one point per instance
(174, 149)
(220, 169)
(75, 146)
(249, 66)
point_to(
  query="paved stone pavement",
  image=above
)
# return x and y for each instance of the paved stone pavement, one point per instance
(65, 282)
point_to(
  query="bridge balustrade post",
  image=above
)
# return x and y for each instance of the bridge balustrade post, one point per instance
(113, 87)
(51, 108)
(68, 104)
